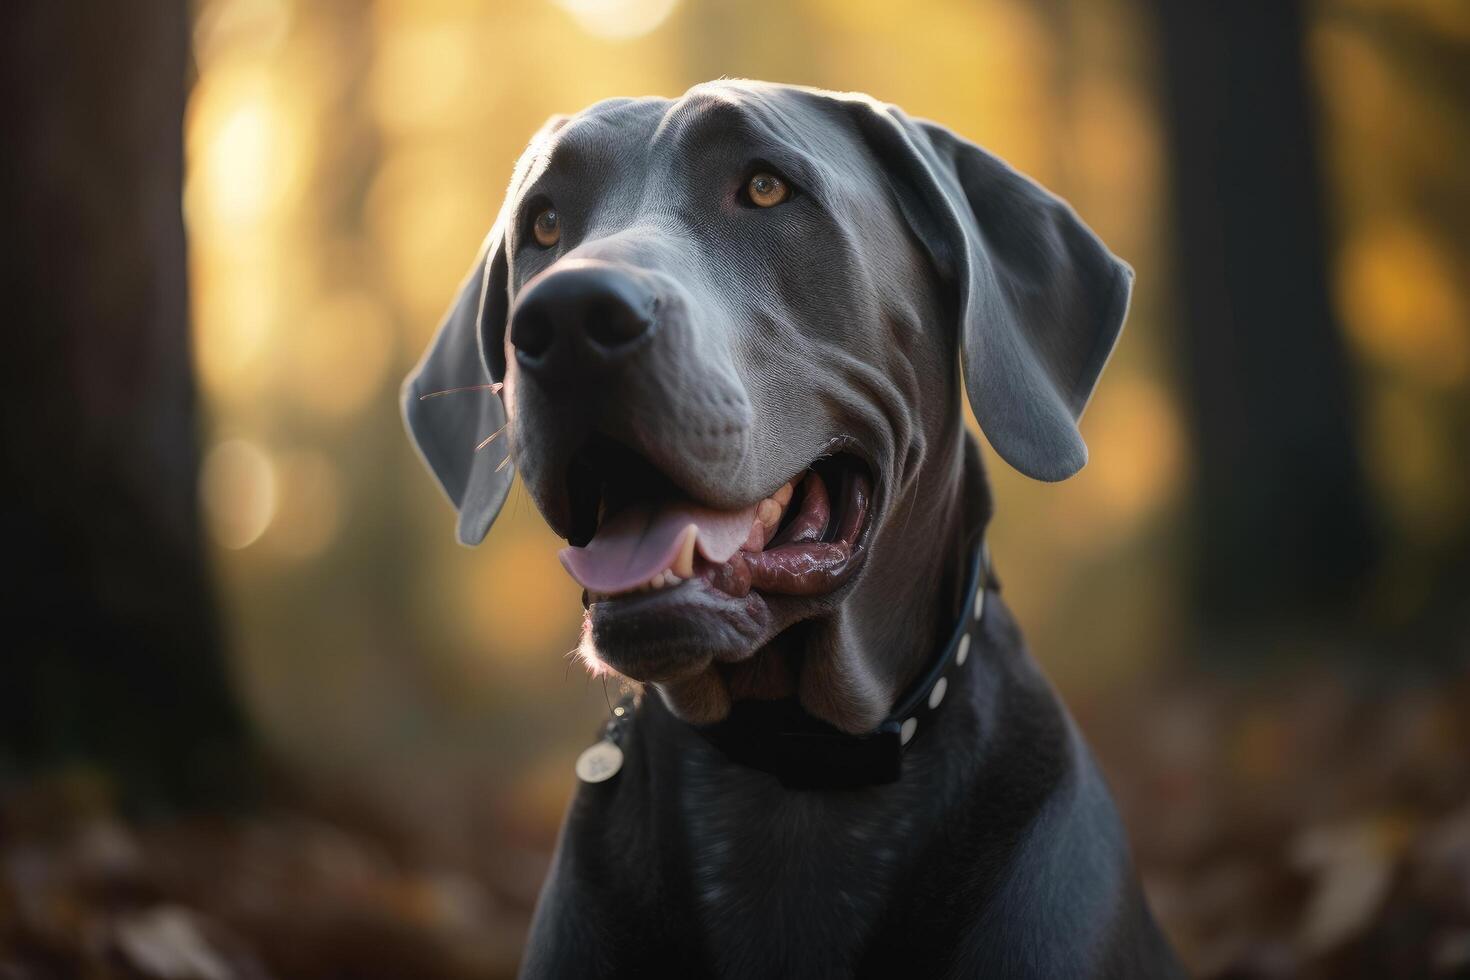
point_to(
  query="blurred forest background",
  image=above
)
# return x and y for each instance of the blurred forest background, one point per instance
(263, 717)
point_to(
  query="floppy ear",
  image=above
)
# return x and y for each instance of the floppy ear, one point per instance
(1040, 300)
(469, 351)
(447, 428)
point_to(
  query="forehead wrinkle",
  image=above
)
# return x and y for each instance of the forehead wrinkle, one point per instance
(706, 122)
(600, 139)
(732, 112)
(581, 150)
(780, 113)
(696, 120)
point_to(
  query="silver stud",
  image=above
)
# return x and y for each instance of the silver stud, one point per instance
(963, 653)
(599, 763)
(906, 730)
(936, 693)
(979, 602)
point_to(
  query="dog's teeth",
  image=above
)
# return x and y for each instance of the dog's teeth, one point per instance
(768, 512)
(671, 578)
(756, 539)
(783, 496)
(684, 562)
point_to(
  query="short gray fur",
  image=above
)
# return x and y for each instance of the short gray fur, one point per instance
(834, 321)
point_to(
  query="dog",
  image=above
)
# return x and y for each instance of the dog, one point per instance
(725, 338)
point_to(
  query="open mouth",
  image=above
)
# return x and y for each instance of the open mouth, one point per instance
(637, 534)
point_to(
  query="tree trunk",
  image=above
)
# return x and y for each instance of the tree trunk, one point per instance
(112, 655)
(1283, 532)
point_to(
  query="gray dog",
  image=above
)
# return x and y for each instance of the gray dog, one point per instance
(729, 330)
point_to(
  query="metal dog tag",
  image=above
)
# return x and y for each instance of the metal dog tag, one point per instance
(600, 762)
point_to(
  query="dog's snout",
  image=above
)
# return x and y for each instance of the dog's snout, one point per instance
(580, 318)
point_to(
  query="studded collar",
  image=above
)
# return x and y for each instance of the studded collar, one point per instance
(803, 751)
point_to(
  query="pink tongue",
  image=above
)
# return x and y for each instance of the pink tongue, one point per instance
(639, 542)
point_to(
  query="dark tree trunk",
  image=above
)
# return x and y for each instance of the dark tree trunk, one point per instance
(1281, 510)
(111, 654)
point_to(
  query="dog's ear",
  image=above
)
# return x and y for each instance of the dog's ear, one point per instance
(1040, 300)
(450, 426)
(447, 424)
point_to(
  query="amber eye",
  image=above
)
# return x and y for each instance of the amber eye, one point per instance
(767, 190)
(547, 228)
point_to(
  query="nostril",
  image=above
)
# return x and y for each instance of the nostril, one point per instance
(584, 318)
(612, 323)
(532, 334)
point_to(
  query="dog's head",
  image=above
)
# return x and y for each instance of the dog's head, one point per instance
(727, 328)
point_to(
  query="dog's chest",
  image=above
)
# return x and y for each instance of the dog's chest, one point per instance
(808, 873)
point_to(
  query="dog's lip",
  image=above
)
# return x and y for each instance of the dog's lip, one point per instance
(668, 634)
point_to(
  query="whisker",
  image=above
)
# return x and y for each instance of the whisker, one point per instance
(492, 437)
(503, 463)
(492, 388)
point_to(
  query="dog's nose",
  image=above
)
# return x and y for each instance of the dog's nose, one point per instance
(581, 318)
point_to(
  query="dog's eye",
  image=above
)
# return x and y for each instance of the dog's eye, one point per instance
(547, 228)
(767, 190)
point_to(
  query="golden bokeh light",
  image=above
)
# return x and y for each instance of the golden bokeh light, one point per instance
(238, 26)
(1402, 304)
(248, 149)
(618, 20)
(238, 489)
(235, 309)
(250, 159)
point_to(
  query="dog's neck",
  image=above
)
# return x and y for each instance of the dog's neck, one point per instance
(860, 659)
(781, 738)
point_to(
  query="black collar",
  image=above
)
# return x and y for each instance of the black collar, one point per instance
(805, 752)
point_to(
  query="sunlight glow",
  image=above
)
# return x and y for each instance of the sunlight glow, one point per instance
(587, 651)
(249, 145)
(618, 20)
(229, 28)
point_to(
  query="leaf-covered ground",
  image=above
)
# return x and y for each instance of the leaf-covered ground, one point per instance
(1299, 828)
